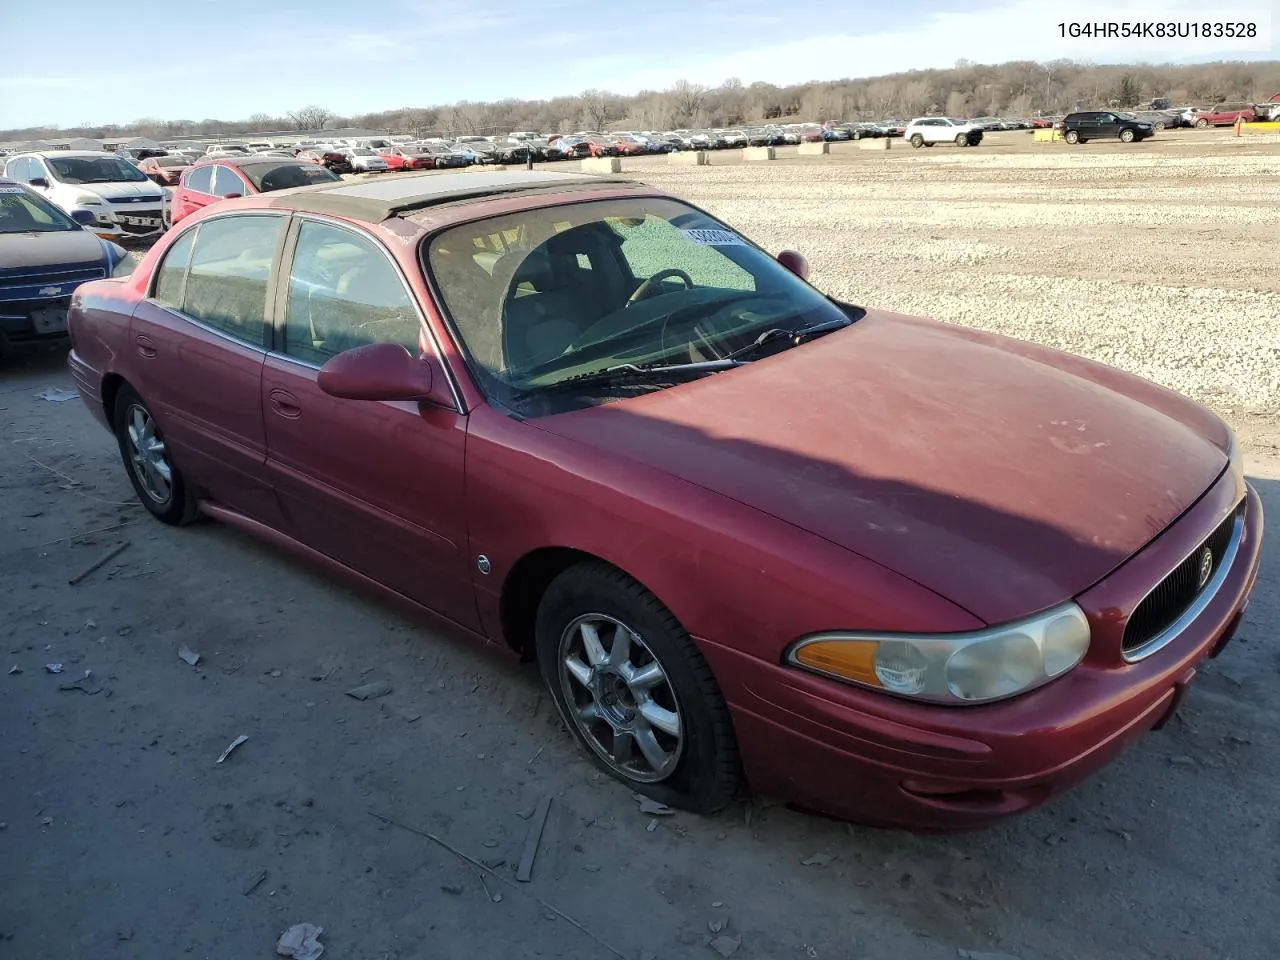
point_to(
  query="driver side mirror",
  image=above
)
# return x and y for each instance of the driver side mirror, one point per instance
(84, 217)
(38, 182)
(232, 196)
(384, 371)
(795, 262)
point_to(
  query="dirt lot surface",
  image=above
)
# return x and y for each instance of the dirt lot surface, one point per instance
(122, 839)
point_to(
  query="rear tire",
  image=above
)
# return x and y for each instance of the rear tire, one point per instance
(156, 481)
(622, 703)
(917, 141)
(1071, 137)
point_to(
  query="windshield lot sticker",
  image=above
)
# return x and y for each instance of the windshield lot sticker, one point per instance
(715, 238)
(11, 190)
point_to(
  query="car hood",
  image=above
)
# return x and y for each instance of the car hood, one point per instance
(1004, 476)
(118, 190)
(21, 252)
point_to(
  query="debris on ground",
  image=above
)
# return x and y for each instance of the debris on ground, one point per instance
(370, 691)
(453, 888)
(725, 946)
(58, 395)
(14, 669)
(818, 859)
(1183, 761)
(46, 821)
(257, 882)
(188, 656)
(53, 668)
(652, 826)
(719, 924)
(653, 808)
(102, 561)
(983, 955)
(301, 942)
(525, 871)
(227, 752)
(87, 684)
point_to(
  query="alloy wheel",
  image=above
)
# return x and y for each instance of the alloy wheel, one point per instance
(148, 455)
(620, 698)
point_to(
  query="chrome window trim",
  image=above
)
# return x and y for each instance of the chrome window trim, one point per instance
(1202, 600)
(423, 323)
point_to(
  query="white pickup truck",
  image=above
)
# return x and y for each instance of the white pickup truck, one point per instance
(926, 131)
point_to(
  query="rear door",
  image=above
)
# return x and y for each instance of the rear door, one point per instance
(198, 344)
(377, 486)
(195, 194)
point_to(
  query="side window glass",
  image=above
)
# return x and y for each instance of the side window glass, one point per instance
(172, 274)
(227, 282)
(344, 293)
(225, 181)
(200, 180)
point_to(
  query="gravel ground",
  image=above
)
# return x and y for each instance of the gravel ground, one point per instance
(1160, 258)
(122, 839)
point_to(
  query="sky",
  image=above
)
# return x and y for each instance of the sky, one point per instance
(228, 59)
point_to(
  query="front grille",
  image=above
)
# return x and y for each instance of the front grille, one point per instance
(1176, 592)
(14, 285)
(134, 199)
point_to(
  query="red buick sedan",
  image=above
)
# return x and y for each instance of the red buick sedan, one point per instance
(889, 569)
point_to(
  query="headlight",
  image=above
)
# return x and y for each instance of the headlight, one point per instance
(88, 200)
(1235, 455)
(956, 668)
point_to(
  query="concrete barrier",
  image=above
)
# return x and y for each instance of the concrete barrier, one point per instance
(814, 149)
(485, 167)
(695, 158)
(1046, 134)
(602, 165)
(759, 153)
(1265, 126)
(876, 143)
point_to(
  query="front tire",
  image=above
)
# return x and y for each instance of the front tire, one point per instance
(917, 141)
(1201, 124)
(155, 479)
(1126, 136)
(635, 690)
(962, 139)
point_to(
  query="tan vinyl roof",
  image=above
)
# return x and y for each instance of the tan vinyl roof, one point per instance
(373, 201)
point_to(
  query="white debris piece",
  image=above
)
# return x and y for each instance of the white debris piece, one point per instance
(301, 942)
(227, 752)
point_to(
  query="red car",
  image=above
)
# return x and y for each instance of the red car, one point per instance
(398, 158)
(1224, 115)
(890, 569)
(223, 178)
(166, 171)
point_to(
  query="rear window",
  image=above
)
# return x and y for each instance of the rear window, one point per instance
(282, 176)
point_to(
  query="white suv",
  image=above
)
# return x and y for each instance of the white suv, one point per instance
(125, 204)
(926, 131)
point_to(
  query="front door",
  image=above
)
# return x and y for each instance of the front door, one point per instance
(375, 485)
(1108, 126)
(197, 350)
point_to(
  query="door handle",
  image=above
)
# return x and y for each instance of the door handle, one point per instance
(285, 403)
(146, 346)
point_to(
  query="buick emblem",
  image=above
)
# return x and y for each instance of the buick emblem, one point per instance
(1206, 566)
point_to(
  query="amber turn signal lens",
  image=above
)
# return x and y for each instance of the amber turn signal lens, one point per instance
(851, 659)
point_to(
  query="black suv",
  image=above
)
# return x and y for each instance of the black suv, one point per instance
(1103, 125)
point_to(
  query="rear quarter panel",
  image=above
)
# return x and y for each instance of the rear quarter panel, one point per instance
(98, 324)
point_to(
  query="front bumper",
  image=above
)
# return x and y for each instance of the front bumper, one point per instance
(127, 221)
(864, 756)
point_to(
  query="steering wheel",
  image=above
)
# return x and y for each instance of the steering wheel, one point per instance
(642, 291)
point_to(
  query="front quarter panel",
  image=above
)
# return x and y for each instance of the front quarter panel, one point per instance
(730, 574)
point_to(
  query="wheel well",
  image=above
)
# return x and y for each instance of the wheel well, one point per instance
(111, 385)
(523, 590)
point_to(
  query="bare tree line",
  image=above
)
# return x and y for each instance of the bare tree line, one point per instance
(1019, 88)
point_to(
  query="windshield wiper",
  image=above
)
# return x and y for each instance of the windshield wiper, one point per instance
(779, 333)
(632, 372)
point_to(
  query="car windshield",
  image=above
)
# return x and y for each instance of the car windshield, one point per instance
(544, 296)
(363, 152)
(94, 170)
(282, 176)
(24, 212)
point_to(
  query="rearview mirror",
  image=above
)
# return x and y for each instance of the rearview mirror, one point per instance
(379, 371)
(795, 262)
